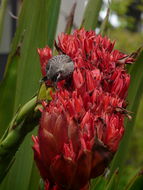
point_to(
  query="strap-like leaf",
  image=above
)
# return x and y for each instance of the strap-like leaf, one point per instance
(37, 27)
(134, 97)
(91, 14)
(3, 5)
(136, 183)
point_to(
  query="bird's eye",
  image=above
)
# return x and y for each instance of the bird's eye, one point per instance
(54, 78)
(57, 76)
(47, 67)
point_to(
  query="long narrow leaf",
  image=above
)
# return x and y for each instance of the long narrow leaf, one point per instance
(3, 6)
(104, 25)
(98, 183)
(135, 93)
(8, 84)
(91, 14)
(38, 23)
(111, 185)
(23, 122)
(70, 19)
(136, 183)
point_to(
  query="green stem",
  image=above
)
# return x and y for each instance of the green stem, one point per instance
(23, 122)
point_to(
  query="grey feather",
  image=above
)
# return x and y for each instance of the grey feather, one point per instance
(59, 67)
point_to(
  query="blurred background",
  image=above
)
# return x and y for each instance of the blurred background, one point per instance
(125, 27)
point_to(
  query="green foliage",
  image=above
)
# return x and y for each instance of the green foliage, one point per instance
(129, 13)
(3, 5)
(92, 9)
(21, 124)
(136, 183)
(112, 182)
(104, 25)
(134, 159)
(126, 41)
(98, 183)
(135, 94)
(36, 28)
(120, 6)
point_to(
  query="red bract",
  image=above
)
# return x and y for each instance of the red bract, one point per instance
(82, 126)
(45, 54)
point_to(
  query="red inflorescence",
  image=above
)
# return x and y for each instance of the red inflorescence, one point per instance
(82, 126)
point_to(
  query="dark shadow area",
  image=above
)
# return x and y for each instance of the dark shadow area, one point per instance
(3, 59)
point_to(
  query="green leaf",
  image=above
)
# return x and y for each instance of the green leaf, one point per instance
(8, 84)
(91, 14)
(70, 19)
(104, 25)
(134, 97)
(41, 184)
(37, 24)
(112, 183)
(3, 6)
(34, 178)
(98, 183)
(23, 122)
(41, 32)
(136, 183)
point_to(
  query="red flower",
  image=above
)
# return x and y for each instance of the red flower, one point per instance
(45, 54)
(82, 126)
